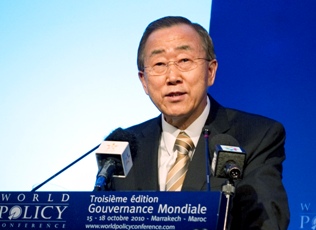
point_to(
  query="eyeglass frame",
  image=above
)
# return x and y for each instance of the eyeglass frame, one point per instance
(167, 64)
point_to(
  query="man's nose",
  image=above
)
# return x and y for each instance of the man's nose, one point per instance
(173, 74)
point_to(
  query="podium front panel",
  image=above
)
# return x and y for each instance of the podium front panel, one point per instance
(109, 210)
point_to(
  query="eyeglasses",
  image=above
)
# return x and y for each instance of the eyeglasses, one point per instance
(184, 65)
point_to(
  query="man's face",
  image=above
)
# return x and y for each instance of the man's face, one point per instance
(180, 96)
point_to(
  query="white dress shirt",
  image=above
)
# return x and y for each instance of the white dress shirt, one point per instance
(167, 154)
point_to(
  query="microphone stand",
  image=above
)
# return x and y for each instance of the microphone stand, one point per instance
(229, 190)
(68, 166)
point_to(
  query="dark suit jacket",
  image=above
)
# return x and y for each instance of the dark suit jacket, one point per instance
(260, 201)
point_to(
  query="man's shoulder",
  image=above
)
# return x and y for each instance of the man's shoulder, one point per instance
(146, 126)
(253, 126)
(239, 118)
(235, 115)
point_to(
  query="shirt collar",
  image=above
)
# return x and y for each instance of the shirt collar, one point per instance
(170, 133)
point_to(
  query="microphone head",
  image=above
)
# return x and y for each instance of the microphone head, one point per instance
(120, 134)
(228, 160)
(115, 156)
(206, 131)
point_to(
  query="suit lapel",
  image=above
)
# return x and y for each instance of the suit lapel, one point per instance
(217, 122)
(147, 178)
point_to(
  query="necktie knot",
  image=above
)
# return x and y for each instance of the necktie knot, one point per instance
(183, 143)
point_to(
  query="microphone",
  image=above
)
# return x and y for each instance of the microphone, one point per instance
(228, 162)
(114, 157)
(229, 159)
(206, 134)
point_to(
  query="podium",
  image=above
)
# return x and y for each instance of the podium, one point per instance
(111, 210)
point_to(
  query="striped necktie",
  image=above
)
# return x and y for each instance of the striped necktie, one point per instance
(178, 171)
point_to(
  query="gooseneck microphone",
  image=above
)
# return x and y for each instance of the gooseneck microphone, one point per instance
(119, 135)
(115, 157)
(206, 134)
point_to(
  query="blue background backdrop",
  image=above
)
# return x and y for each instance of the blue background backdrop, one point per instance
(267, 65)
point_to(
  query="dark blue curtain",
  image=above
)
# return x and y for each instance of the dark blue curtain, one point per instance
(267, 65)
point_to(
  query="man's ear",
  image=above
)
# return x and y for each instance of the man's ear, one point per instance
(212, 68)
(141, 76)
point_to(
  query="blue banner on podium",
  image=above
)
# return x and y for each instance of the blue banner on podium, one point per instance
(109, 210)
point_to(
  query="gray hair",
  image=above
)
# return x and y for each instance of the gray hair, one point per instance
(170, 21)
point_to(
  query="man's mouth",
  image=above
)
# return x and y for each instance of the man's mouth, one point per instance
(175, 94)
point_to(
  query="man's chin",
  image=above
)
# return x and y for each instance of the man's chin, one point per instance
(169, 117)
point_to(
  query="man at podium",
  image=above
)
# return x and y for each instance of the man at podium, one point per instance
(176, 65)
